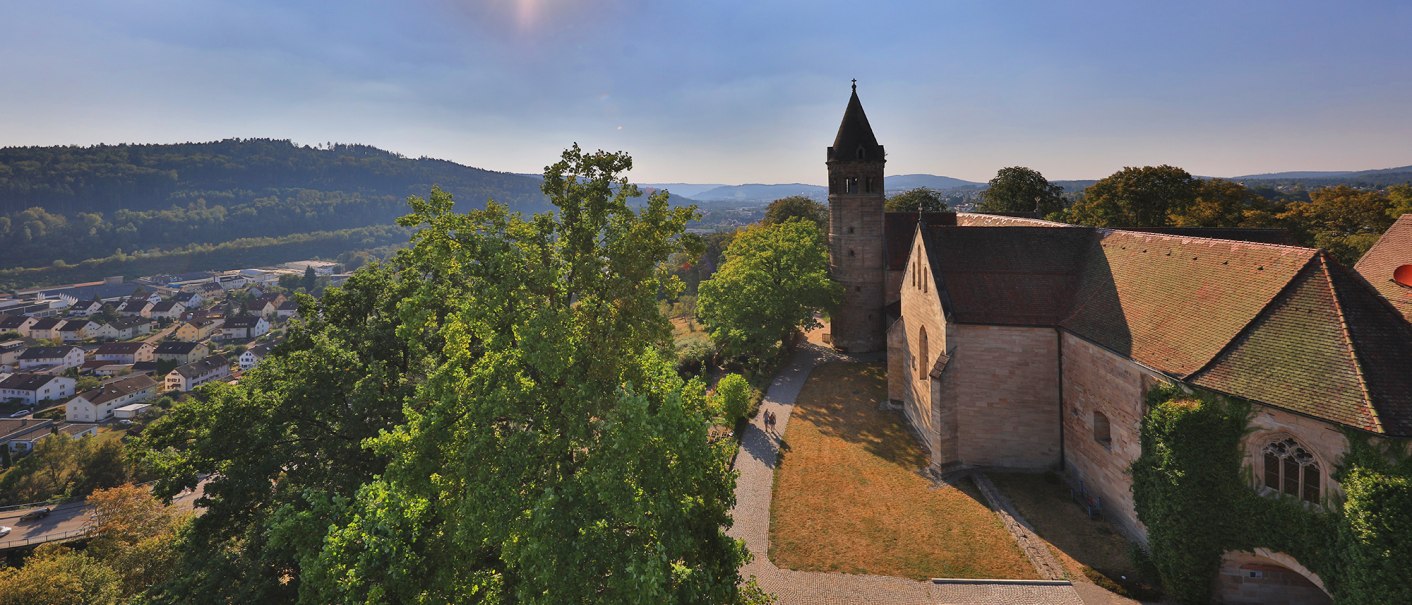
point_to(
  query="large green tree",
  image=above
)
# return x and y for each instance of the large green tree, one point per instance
(924, 198)
(1135, 197)
(1021, 189)
(775, 280)
(797, 207)
(1225, 203)
(553, 455)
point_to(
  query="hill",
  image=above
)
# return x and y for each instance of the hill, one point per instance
(1378, 178)
(88, 211)
(903, 182)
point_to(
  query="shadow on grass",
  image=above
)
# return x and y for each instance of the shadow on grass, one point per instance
(842, 400)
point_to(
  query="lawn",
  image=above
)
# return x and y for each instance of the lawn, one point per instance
(1086, 547)
(849, 495)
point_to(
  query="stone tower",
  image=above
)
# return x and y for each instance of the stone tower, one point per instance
(856, 231)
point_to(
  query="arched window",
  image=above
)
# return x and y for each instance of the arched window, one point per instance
(868, 185)
(922, 354)
(1102, 431)
(1290, 469)
(860, 153)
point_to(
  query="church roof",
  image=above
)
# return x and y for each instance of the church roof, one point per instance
(1393, 250)
(1283, 325)
(855, 140)
(898, 229)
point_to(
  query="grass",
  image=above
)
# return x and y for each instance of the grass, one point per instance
(1086, 547)
(849, 496)
(686, 330)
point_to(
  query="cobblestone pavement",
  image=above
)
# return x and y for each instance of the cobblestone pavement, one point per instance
(756, 465)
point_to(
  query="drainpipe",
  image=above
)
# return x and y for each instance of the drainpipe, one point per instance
(1059, 338)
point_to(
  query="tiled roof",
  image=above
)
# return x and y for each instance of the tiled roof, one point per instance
(16, 428)
(164, 306)
(12, 322)
(239, 322)
(119, 348)
(898, 228)
(993, 276)
(854, 133)
(176, 347)
(1170, 302)
(1281, 325)
(46, 323)
(1260, 236)
(1393, 250)
(202, 367)
(26, 382)
(118, 388)
(46, 352)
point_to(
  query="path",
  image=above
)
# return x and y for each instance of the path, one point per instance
(756, 465)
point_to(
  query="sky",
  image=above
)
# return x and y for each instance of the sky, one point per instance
(722, 91)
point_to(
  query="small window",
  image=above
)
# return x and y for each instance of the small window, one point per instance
(850, 230)
(857, 288)
(850, 253)
(922, 353)
(868, 185)
(860, 153)
(1102, 431)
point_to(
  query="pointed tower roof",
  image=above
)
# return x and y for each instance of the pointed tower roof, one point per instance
(855, 134)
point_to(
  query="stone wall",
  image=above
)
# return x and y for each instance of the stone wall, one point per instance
(921, 309)
(1003, 384)
(1320, 438)
(1267, 578)
(1097, 381)
(857, 258)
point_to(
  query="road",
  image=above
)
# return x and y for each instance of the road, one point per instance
(66, 522)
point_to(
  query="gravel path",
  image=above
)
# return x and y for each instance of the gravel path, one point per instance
(756, 465)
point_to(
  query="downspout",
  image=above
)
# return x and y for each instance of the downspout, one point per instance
(1059, 337)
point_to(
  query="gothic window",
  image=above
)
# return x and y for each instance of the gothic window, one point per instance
(1102, 431)
(1292, 470)
(922, 353)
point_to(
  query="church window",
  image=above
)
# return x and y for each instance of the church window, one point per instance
(922, 353)
(1292, 470)
(868, 185)
(1102, 431)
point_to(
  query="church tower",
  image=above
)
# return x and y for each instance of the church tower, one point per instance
(856, 231)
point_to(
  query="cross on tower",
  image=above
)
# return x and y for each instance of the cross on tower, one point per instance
(855, 84)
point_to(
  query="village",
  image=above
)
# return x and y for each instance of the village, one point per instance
(86, 358)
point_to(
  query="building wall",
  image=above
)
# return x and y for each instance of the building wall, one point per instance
(1097, 380)
(1320, 438)
(1003, 384)
(921, 308)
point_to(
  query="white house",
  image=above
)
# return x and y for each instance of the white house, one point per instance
(86, 308)
(75, 330)
(287, 309)
(252, 356)
(231, 282)
(62, 357)
(10, 353)
(98, 404)
(18, 324)
(192, 375)
(192, 300)
(124, 328)
(167, 309)
(242, 327)
(31, 389)
(125, 352)
(46, 328)
(135, 307)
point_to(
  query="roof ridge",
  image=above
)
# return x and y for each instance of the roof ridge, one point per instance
(1111, 230)
(1348, 340)
(1255, 320)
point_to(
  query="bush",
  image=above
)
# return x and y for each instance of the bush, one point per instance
(732, 399)
(694, 356)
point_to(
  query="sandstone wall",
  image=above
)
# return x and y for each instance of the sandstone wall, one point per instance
(1003, 385)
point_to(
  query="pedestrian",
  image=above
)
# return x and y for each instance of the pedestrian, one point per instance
(769, 421)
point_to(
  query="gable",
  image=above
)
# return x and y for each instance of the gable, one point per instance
(1392, 250)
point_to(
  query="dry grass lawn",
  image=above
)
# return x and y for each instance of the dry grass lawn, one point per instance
(848, 496)
(1086, 547)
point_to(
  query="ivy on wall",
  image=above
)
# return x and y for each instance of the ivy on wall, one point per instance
(1191, 492)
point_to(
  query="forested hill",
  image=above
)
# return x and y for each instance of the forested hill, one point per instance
(108, 178)
(83, 212)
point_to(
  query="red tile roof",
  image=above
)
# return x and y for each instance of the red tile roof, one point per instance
(1281, 325)
(1393, 250)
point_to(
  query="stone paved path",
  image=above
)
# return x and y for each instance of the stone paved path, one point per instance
(756, 465)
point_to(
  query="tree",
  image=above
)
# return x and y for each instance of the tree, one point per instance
(924, 198)
(1343, 220)
(1135, 197)
(797, 207)
(56, 575)
(1224, 203)
(1400, 198)
(289, 281)
(310, 280)
(286, 444)
(775, 280)
(1020, 189)
(61, 466)
(559, 457)
(731, 400)
(134, 533)
(512, 434)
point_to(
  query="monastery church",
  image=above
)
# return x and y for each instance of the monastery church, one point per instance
(1019, 343)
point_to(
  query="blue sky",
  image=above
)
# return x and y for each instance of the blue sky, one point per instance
(731, 92)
